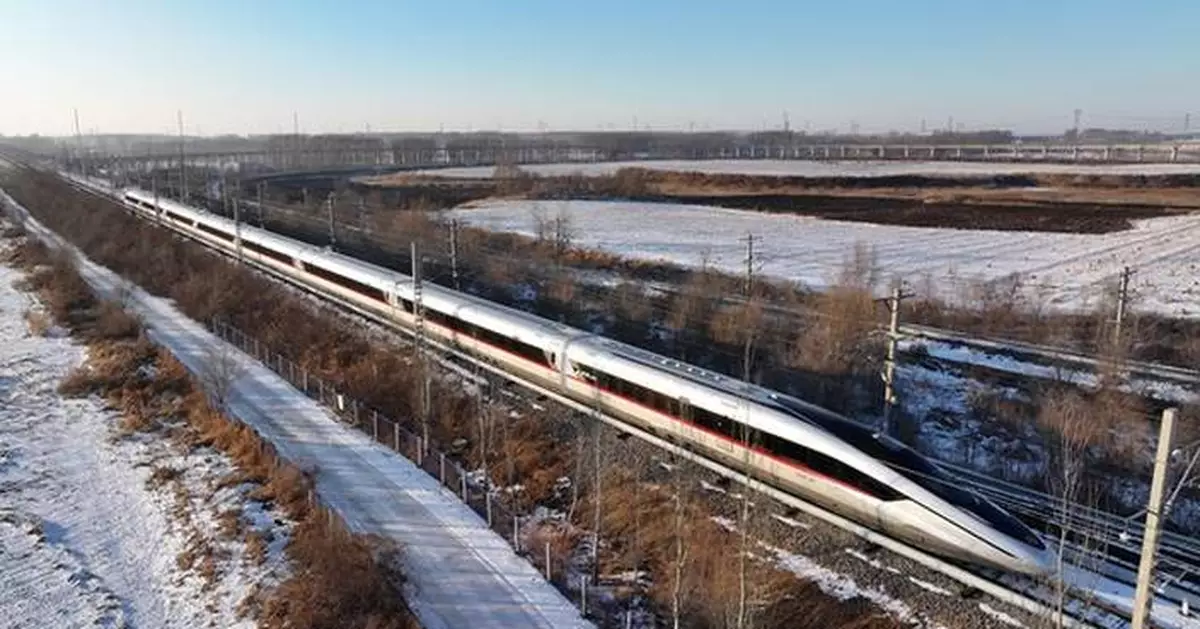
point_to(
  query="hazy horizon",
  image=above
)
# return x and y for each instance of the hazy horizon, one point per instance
(128, 66)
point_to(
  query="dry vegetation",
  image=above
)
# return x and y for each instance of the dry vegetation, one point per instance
(338, 579)
(527, 450)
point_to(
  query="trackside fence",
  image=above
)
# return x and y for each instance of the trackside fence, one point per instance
(473, 489)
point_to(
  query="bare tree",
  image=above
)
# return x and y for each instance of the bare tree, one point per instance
(219, 372)
(1068, 419)
(564, 232)
(542, 225)
(681, 531)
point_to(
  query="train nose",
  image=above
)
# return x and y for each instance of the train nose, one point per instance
(1037, 561)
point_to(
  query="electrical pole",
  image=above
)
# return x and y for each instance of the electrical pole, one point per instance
(79, 142)
(1145, 580)
(296, 140)
(182, 170)
(329, 209)
(262, 185)
(889, 365)
(154, 187)
(237, 222)
(454, 252)
(1122, 300)
(419, 316)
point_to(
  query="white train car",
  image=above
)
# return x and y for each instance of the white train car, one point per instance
(798, 447)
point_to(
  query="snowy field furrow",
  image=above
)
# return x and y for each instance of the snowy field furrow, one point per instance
(1063, 271)
(829, 168)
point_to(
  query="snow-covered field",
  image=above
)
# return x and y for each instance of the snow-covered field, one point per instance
(825, 168)
(1057, 270)
(84, 541)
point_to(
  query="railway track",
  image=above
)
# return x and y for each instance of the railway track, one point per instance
(1021, 593)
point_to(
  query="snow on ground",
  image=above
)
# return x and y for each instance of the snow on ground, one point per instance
(460, 574)
(84, 542)
(958, 354)
(1058, 270)
(836, 584)
(828, 168)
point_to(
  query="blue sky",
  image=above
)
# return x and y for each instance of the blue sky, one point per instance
(238, 67)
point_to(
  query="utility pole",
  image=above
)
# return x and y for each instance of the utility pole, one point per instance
(1122, 301)
(889, 365)
(237, 222)
(748, 286)
(454, 252)
(748, 346)
(329, 210)
(262, 185)
(1145, 580)
(419, 315)
(296, 140)
(154, 187)
(182, 168)
(79, 142)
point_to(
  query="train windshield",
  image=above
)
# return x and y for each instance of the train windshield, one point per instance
(915, 467)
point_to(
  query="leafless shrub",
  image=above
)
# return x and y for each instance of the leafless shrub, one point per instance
(221, 370)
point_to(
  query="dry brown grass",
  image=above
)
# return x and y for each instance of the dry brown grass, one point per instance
(161, 475)
(38, 322)
(640, 516)
(256, 547)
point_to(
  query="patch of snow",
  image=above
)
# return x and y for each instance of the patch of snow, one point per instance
(1062, 271)
(842, 586)
(1170, 392)
(870, 561)
(83, 540)
(999, 615)
(925, 585)
(824, 168)
(790, 522)
(833, 583)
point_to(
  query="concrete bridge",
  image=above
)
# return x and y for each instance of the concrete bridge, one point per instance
(394, 159)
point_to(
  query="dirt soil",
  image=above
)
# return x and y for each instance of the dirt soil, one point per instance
(1084, 204)
(955, 213)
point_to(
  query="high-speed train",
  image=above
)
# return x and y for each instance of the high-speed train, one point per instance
(797, 447)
